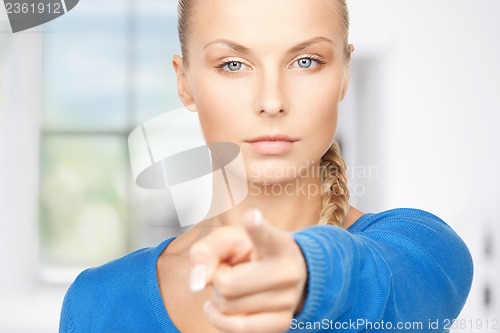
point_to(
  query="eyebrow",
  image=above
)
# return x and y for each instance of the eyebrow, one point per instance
(294, 49)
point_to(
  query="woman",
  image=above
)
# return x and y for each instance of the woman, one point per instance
(268, 76)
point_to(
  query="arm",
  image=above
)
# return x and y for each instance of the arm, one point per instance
(66, 320)
(399, 266)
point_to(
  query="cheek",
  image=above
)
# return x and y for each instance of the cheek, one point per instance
(318, 103)
(219, 109)
(324, 128)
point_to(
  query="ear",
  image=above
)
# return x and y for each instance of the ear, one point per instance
(345, 83)
(347, 74)
(183, 88)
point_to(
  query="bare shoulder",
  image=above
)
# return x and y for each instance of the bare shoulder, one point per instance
(353, 215)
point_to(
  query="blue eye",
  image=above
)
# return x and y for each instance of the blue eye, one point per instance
(310, 62)
(233, 66)
(305, 62)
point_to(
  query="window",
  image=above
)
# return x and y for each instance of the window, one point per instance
(106, 68)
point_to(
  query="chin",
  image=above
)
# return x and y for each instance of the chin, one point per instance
(271, 171)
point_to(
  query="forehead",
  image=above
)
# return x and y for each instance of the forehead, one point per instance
(264, 22)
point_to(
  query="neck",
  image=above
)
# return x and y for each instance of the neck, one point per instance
(290, 205)
(294, 209)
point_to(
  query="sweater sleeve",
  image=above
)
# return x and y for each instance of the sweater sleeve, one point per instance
(403, 270)
(66, 322)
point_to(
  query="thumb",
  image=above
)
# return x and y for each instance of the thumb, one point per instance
(267, 239)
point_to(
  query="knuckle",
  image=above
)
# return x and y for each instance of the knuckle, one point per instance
(288, 301)
(291, 300)
(223, 305)
(239, 326)
(284, 321)
(284, 325)
(296, 272)
(224, 284)
(292, 277)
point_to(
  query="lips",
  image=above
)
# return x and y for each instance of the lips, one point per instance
(278, 137)
(272, 144)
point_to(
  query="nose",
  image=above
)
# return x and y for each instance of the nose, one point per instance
(271, 99)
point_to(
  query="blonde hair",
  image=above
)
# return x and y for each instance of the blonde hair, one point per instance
(334, 187)
(333, 168)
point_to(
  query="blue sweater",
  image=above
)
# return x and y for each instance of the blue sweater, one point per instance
(403, 270)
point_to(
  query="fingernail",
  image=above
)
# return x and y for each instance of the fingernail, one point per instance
(198, 277)
(257, 217)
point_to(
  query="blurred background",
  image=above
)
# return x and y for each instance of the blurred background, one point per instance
(419, 128)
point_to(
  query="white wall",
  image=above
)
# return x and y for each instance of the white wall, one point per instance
(438, 124)
(440, 116)
(26, 304)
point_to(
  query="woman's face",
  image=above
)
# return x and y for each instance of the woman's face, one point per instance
(268, 76)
